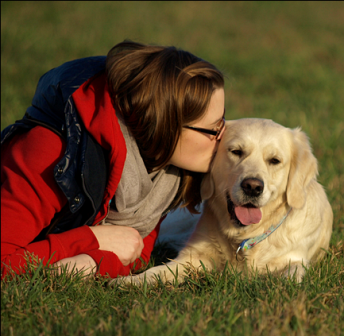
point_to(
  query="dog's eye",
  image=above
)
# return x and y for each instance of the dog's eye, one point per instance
(274, 161)
(236, 152)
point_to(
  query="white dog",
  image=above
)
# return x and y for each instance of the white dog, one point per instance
(264, 207)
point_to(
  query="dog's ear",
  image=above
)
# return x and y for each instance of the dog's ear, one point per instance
(207, 187)
(303, 168)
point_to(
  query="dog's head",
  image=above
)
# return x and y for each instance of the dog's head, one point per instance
(259, 162)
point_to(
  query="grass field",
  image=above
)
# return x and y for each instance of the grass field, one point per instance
(283, 61)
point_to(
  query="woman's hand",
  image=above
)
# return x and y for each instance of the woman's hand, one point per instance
(124, 241)
(80, 263)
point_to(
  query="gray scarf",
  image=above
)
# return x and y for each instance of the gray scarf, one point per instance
(141, 198)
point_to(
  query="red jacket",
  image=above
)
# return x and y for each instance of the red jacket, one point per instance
(30, 196)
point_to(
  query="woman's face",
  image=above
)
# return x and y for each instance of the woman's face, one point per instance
(195, 150)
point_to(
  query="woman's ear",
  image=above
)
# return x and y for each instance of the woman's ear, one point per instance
(207, 187)
(303, 169)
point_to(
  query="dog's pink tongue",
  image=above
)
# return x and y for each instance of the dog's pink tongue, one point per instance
(248, 216)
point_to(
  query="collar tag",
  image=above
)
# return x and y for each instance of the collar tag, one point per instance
(241, 245)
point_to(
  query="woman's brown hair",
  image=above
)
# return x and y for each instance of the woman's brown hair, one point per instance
(158, 90)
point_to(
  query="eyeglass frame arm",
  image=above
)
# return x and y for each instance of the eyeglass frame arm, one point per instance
(203, 130)
(207, 131)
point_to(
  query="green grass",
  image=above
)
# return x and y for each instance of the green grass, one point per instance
(283, 61)
(214, 303)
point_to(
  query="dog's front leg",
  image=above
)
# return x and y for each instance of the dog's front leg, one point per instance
(173, 270)
(166, 273)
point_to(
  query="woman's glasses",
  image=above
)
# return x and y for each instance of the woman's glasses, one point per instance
(217, 132)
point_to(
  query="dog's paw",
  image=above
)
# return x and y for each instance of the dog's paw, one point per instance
(295, 270)
(120, 281)
(136, 280)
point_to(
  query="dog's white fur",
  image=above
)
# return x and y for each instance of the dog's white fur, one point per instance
(252, 148)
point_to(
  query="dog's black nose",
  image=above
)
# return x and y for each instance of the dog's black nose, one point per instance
(252, 187)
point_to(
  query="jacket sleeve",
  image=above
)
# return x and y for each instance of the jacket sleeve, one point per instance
(30, 198)
(109, 264)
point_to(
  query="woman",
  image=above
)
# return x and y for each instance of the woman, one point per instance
(108, 147)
